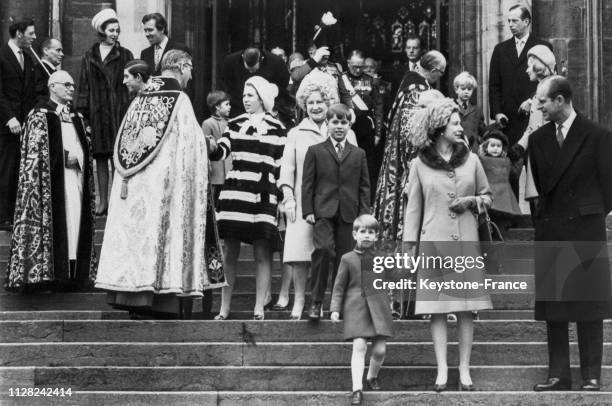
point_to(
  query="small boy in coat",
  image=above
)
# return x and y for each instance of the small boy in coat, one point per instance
(213, 127)
(472, 119)
(335, 190)
(366, 311)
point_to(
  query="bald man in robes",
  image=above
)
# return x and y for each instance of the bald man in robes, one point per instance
(52, 241)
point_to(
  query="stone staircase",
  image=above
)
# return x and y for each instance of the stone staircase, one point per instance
(75, 340)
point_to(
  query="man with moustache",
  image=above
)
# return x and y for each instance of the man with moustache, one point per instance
(17, 97)
(52, 241)
(572, 171)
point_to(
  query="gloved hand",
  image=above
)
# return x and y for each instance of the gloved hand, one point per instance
(290, 206)
(461, 204)
(320, 53)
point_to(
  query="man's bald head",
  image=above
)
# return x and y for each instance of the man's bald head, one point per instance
(61, 86)
(52, 51)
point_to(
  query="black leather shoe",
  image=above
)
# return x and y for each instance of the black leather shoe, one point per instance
(465, 388)
(373, 384)
(552, 384)
(591, 385)
(357, 398)
(316, 312)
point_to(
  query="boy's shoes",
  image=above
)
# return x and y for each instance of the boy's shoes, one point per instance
(357, 398)
(316, 311)
(373, 384)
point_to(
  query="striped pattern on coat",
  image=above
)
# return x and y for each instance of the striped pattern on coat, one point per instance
(249, 197)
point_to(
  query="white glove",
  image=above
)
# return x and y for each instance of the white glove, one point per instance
(320, 53)
(14, 126)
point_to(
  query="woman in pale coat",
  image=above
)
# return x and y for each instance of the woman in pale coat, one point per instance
(541, 63)
(314, 99)
(447, 187)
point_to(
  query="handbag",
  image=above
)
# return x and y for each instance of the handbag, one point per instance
(491, 243)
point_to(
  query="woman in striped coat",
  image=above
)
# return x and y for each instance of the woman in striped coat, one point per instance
(249, 197)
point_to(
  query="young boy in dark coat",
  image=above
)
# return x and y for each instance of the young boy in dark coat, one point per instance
(366, 310)
(472, 119)
(335, 190)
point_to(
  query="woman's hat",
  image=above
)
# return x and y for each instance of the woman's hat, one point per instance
(544, 55)
(426, 120)
(267, 91)
(103, 16)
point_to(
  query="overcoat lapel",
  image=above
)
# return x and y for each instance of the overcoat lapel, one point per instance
(571, 145)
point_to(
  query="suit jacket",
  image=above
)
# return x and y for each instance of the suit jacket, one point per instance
(575, 188)
(472, 121)
(509, 84)
(148, 55)
(234, 74)
(331, 185)
(41, 79)
(17, 96)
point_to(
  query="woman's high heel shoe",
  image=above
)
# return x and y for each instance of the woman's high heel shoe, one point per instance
(440, 388)
(465, 388)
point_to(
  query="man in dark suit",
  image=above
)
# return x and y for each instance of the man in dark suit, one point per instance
(156, 31)
(241, 65)
(335, 190)
(52, 54)
(17, 98)
(509, 85)
(572, 171)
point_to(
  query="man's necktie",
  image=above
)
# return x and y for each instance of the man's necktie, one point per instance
(519, 47)
(339, 149)
(20, 59)
(158, 54)
(560, 138)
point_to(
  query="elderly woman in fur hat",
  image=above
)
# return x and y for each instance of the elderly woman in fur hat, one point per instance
(248, 201)
(447, 187)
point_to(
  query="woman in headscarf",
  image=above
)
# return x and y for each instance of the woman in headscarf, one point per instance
(101, 95)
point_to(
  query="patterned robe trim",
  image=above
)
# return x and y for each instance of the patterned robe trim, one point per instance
(31, 255)
(145, 125)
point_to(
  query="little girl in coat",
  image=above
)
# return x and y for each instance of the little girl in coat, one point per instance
(499, 166)
(366, 311)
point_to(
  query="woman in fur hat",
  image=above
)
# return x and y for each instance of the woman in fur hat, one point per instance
(447, 186)
(101, 95)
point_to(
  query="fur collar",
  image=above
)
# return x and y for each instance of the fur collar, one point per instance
(432, 158)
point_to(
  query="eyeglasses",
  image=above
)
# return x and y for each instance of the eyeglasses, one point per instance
(188, 65)
(67, 85)
(439, 70)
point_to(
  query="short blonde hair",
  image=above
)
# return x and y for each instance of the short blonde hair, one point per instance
(304, 92)
(539, 68)
(366, 221)
(466, 79)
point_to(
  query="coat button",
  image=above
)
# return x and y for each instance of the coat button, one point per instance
(455, 237)
(451, 194)
(451, 174)
(452, 215)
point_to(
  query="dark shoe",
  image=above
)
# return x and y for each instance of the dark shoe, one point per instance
(258, 317)
(440, 388)
(357, 398)
(591, 385)
(552, 384)
(280, 308)
(465, 388)
(316, 311)
(373, 384)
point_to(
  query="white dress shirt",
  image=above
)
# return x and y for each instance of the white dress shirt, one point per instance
(520, 43)
(567, 124)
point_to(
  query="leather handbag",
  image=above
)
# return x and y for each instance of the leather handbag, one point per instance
(491, 243)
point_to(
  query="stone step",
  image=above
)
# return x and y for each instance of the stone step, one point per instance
(328, 398)
(303, 378)
(197, 315)
(231, 331)
(240, 301)
(264, 354)
(528, 234)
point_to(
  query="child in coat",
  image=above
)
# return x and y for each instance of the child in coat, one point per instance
(213, 127)
(365, 310)
(499, 167)
(472, 119)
